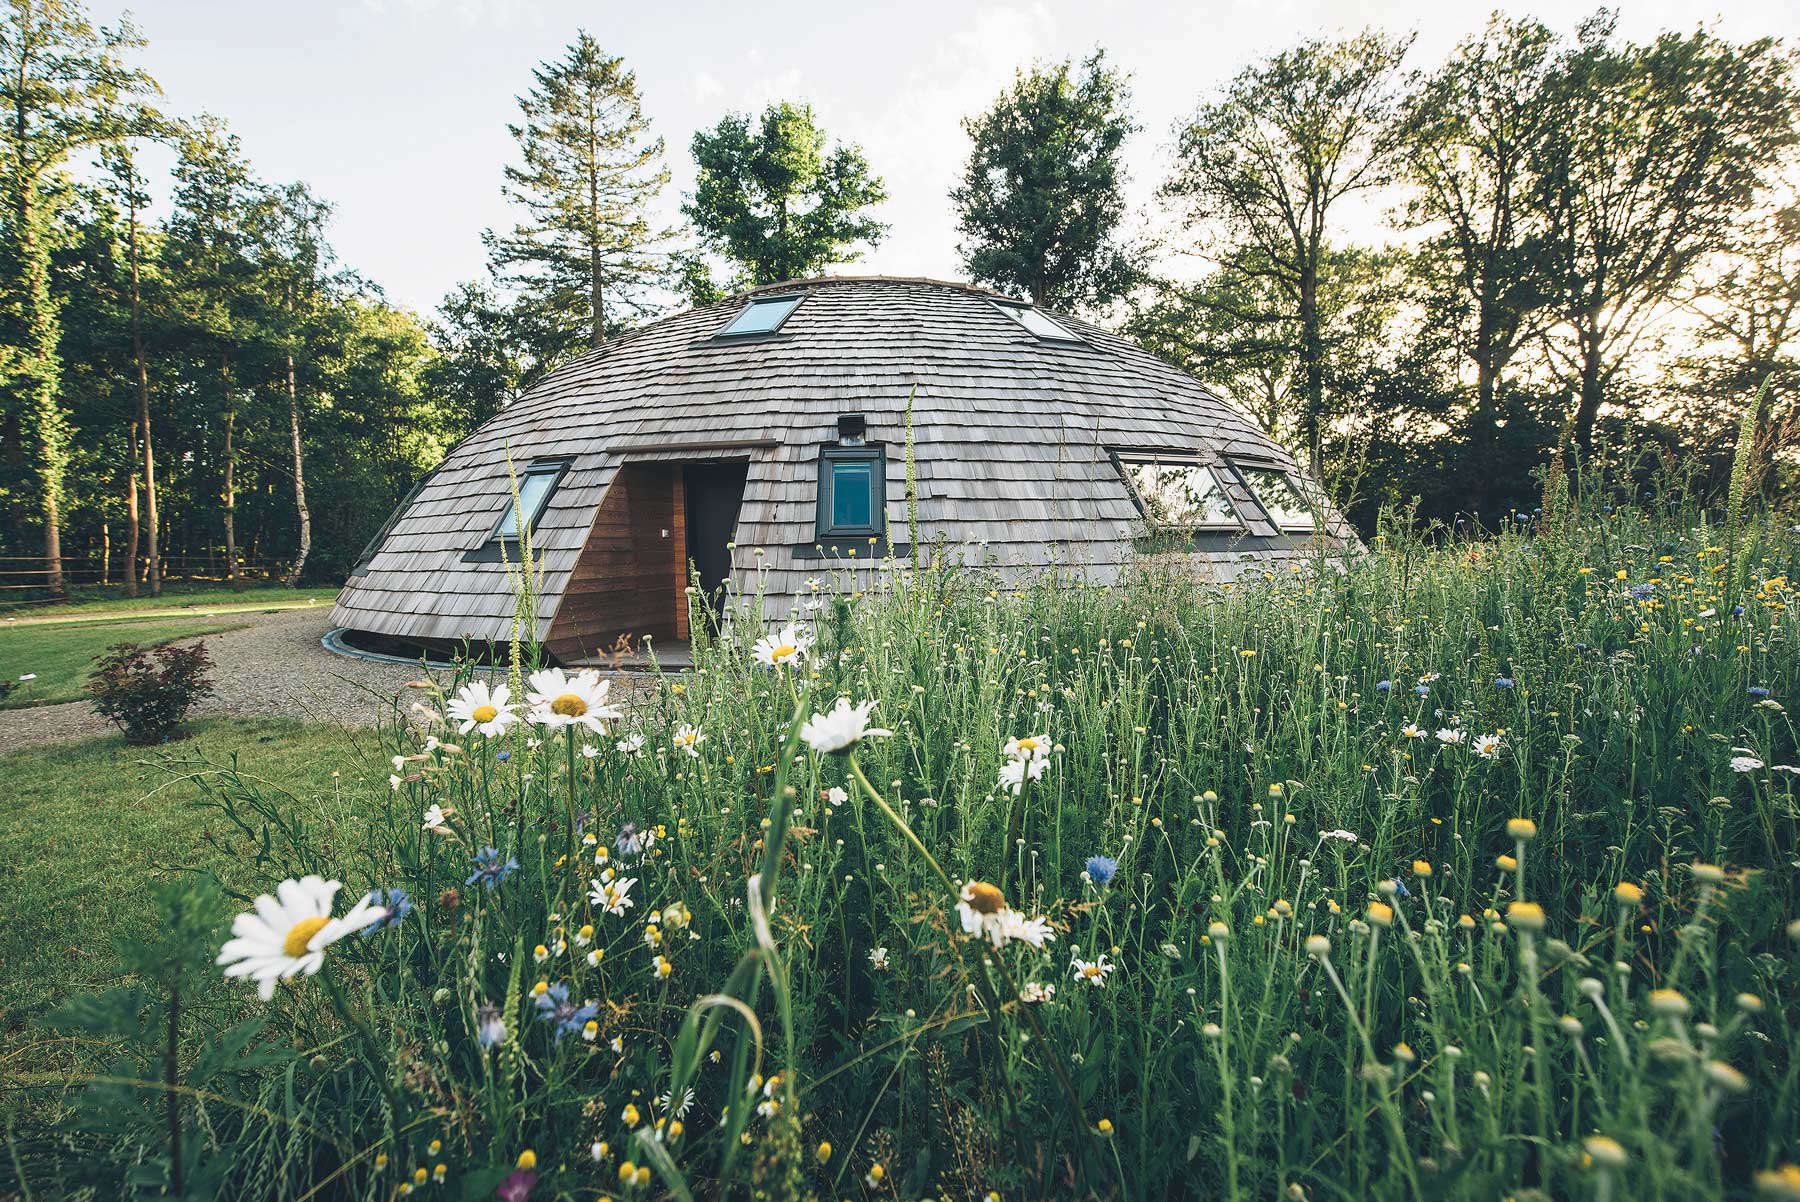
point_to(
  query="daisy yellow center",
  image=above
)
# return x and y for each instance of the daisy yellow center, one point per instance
(569, 706)
(484, 713)
(1092, 970)
(1028, 744)
(782, 652)
(984, 898)
(302, 934)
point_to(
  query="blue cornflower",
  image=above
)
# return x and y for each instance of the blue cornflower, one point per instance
(1384, 686)
(1503, 682)
(1643, 592)
(489, 869)
(398, 907)
(490, 1028)
(1100, 869)
(1758, 692)
(503, 756)
(629, 842)
(1737, 611)
(1400, 888)
(554, 1006)
(1423, 690)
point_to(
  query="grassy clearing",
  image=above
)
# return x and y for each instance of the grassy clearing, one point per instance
(1452, 871)
(87, 825)
(61, 656)
(180, 598)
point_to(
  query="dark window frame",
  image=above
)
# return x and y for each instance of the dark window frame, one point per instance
(871, 453)
(1012, 309)
(726, 333)
(497, 545)
(1244, 467)
(372, 548)
(1122, 456)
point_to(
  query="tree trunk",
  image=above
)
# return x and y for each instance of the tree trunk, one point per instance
(1312, 366)
(105, 553)
(1587, 407)
(39, 378)
(596, 271)
(153, 552)
(293, 579)
(229, 496)
(131, 520)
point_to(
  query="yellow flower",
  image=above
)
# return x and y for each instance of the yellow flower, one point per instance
(1668, 1002)
(1525, 916)
(629, 1115)
(1381, 914)
(1605, 1151)
(527, 1159)
(1522, 829)
(1781, 1183)
(1422, 868)
(823, 1152)
(1628, 894)
(1104, 1126)
(1506, 863)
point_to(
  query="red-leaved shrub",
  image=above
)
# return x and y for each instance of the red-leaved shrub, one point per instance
(147, 691)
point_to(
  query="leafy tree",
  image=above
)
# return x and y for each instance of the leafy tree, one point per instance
(1042, 195)
(1290, 138)
(774, 200)
(1481, 139)
(65, 87)
(587, 261)
(1662, 149)
(211, 252)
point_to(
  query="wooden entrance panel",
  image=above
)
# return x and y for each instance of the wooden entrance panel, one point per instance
(631, 579)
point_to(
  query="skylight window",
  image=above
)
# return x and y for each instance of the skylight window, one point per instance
(1037, 323)
(536, 483)
(1177, 493)
(763, 315)
(1279, 498)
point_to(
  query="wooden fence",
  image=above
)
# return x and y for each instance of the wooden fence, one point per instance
(26, 578)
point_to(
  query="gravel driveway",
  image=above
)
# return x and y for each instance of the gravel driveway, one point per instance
(273, 667)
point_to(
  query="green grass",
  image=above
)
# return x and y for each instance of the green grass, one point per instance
(88, 825)
(61, 656)
(184, 597)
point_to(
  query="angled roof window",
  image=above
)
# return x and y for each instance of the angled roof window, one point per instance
(1279, 497)
(763, 315)
(1176, 492)
(1037, 322)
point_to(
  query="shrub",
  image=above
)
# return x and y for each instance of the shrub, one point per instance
(147, 691)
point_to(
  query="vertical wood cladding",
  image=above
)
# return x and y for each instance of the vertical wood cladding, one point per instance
(629, 580)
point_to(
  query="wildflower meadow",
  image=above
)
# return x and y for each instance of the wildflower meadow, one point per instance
(1442, 868)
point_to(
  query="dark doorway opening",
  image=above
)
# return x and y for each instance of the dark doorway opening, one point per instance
(713, 493)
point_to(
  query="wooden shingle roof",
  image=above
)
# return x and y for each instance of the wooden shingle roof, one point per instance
(1012, 434)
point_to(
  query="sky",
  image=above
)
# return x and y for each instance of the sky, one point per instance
(396, 110)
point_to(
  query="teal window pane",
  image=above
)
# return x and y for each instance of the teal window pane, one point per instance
(852, 494)
(760, 316)
(534, 490)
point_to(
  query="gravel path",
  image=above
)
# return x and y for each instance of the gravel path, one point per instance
(273, 667)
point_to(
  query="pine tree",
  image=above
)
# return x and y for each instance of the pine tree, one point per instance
(772, 199)
(588, 260)
(1042, 195)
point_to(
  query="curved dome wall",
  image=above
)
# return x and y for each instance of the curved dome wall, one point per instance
(1015, 436)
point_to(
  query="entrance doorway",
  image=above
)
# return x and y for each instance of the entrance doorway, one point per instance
(712, 494)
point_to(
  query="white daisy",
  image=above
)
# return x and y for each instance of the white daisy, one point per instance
(836, 796)
(287, 934)
(1014, 773)
(1094, 971)
(1036, 993)
(559, 700)
(613, 895)
(786, 646)
(1410, 731)
(631, 745)
(1449, 735)
(841, 728)
(478, 707)
(1031, 747)
(437, 819)
(1487, 746)
(878, 959)
(984, 912)
(688, 739)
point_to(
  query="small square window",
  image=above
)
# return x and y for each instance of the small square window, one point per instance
(763, 315)
(1276, 493)
(852, 492)
(1037, 322)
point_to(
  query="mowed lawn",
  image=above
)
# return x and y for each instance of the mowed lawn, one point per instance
(87, 825)
(177, 598)
(60, 656)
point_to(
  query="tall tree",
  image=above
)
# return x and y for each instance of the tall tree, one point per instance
(1268, 160)
(128, 188)
(1482, 137)
(65, 87)
(1043, 193)
(588, 257)
(1663, 148)
(296, 260)
(212, 255)
(773, 199)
